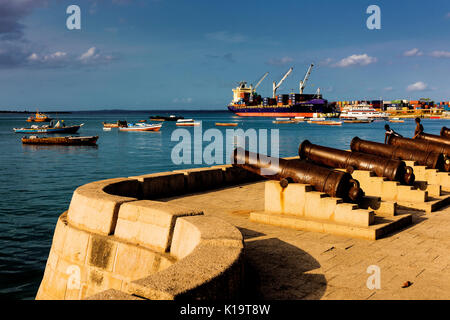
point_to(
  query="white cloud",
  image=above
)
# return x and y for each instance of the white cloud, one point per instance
(33, 57)
(61, 59)
(225, 36)
(326, 62)
(355, 59)
(280, 61)
(418, 86)
(440, 54)
(388, 89)
(412, 53)
(90, 54)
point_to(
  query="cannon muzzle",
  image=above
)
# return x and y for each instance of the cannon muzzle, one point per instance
(332, 182)
(392, 169)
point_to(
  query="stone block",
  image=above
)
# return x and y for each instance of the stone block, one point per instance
(151, 223)
(191, 231)
(76, 245)
(94, 209)
(349, 214)
(101, 252)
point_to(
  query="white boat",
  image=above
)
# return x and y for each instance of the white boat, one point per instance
(187, 123)
(141, 127)
(361, 112)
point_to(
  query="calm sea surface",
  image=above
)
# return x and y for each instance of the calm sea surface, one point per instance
(37, 182)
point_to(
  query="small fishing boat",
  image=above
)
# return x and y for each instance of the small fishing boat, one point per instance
(106, 129)
(142, 121)
(164, 118)
(187, 123)
(58, 128)
(66, 141)
(358, 120)
(231, 124)
(396, 120)
(39, 117)
(141, 127)
(329, 123)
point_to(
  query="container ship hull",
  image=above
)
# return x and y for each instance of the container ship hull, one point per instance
(307, 110)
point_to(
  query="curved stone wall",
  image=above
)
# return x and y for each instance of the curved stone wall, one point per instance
(115, 243)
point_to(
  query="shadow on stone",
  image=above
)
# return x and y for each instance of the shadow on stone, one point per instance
(248, 234)
(278, 271)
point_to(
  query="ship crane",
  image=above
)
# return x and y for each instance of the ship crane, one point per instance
(303, 83)
(276, 86)
(259, 82)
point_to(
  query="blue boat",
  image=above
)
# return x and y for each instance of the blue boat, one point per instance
(48, 129)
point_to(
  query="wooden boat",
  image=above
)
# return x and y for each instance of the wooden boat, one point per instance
(187, 123)
(141, 127)
(39, 117)
(164, 118)
(66, 141)
(329, 123)
(396, 120)
(231, 124)
(48, 129)
(142, 121)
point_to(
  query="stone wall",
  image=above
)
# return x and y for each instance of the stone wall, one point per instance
(117, 242)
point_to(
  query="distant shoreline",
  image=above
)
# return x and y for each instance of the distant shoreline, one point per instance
(155, 112)
(33, 112)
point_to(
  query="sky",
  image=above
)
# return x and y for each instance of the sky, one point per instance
(189, 54)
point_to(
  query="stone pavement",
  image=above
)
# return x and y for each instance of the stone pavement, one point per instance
(294, 264)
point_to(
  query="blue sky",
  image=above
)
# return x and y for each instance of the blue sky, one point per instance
(136, 54)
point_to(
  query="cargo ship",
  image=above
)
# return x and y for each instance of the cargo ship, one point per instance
(247, 103)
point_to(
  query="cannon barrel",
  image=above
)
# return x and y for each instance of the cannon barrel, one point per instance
(445, 132)
(392, 169)
(419, 144)
(434, 138)
(430, 159)
(332, 182)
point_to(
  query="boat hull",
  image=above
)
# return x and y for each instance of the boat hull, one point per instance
(309, 109)
(71, 129)
(132, 129)
(67, 141)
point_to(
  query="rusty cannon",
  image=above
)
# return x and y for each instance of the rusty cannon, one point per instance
(332, 182)
(445, 132)
(430, 159)
(433, 138)
(420, 144)
(392, 169)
